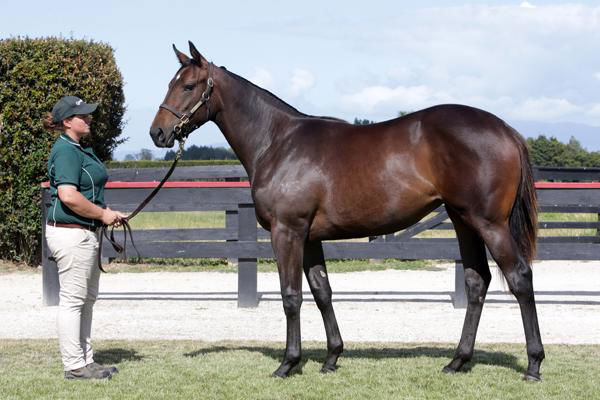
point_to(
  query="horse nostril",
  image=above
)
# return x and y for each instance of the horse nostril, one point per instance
(157, 134)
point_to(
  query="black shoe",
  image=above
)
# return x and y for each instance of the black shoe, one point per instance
(98, 367)
(86, 373)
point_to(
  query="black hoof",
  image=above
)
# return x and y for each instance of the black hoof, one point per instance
(532, 377)
(328, 369)
(279, 374)
(448, 370)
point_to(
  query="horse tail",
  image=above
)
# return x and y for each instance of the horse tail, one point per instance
(523, 217)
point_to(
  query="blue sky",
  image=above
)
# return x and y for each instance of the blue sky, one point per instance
(535, 64)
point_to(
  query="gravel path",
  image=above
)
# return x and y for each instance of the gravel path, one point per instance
(400, 306)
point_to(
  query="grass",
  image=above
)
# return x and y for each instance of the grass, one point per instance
(179, 220)
(264, 265)
(30, 369)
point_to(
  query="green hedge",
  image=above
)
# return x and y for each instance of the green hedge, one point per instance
(34, 74)
(164, 164)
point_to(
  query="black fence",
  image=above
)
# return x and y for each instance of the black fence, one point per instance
(243, 241)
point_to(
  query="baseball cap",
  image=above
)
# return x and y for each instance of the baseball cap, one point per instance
(71, 105)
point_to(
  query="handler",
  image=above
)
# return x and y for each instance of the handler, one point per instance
(77, 211)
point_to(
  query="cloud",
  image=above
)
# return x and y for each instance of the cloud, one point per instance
(262, 78)
(395, 99)
(545, 109)
(536, 65)
(526, 4)
(301, 81)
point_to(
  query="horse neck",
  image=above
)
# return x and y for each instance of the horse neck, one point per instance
(251, 119)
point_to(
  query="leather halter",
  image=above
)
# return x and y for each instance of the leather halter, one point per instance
(184, 117)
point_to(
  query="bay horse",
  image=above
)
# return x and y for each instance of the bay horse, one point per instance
(319, 178)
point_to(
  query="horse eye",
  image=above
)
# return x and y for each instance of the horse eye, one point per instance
(189, 87)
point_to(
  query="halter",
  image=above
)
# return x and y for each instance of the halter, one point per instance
(184, 118)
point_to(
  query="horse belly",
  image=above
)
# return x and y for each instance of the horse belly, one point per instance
(371, 214)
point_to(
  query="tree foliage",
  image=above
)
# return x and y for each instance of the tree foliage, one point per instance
(360, 121)
(203, 153)
(549, 152)
(34, 74)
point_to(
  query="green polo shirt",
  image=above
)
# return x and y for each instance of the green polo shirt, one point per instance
(71, 164)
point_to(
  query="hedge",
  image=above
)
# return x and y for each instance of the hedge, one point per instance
(34, 74)
(164, 164)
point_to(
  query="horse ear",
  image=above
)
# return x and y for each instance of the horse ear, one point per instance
(196, 55)
(183, 59)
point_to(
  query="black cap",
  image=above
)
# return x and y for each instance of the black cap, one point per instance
(71, 105)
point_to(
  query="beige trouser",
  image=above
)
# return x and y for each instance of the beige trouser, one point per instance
(76, 254)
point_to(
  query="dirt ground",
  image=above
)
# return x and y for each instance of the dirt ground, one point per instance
(399, 306)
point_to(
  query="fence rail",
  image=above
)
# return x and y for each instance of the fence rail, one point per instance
(241, 239)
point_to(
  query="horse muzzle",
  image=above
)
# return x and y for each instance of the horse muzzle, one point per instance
(160, 138)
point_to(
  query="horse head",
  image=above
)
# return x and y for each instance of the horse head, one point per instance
(186, 106)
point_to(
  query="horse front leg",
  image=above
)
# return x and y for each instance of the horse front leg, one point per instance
(288, 245)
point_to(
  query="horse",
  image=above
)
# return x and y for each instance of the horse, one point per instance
(319, 178)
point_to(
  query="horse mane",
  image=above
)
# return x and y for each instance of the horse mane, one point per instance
(276, 100)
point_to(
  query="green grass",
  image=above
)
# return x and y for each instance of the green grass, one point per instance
(264, 265)
(31, 369)
(179, 220)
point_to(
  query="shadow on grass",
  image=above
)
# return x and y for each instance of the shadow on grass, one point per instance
(493, 358)
(116, 355)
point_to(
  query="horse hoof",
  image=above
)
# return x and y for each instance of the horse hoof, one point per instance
(532, 377)
(328, 369)
(448, 370)
(279, 374)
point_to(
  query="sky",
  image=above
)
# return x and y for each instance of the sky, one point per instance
(535, 64)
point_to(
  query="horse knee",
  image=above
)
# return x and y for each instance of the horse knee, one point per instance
(291, 303)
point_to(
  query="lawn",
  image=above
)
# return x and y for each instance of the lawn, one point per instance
(30, 369)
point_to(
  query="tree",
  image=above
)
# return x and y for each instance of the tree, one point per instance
(550, 152)
(358, 121)
(145, 154)
(203, 153)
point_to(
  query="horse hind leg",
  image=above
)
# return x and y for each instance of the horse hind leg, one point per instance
(477, 280)
(316, 275)
(519, 276)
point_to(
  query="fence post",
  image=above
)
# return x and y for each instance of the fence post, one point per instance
(247, 273)
(231, 217)
(50, 283)
(459, 299)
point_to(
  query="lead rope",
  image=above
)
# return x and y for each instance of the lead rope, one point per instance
(122, 250)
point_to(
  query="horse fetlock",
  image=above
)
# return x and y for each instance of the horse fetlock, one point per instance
(335, 348)
(536, 356)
